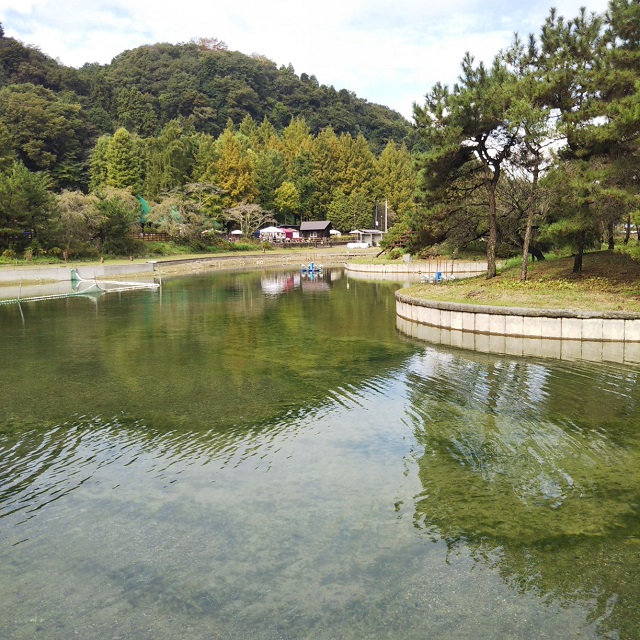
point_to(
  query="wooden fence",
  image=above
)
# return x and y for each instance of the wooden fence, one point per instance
(151, 237)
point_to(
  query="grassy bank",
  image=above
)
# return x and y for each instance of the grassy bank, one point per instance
(608, 282)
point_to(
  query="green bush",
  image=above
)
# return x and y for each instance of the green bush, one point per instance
(632, 249)
(242, 246)
(122, 246)
(476, 246)
(169, 248)
(36, 248)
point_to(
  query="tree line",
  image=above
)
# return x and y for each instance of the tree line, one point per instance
(184, 139)
(190, 185)
(540, 149)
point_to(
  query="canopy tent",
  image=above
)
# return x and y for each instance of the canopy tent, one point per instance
(271, 230)
(272, 233)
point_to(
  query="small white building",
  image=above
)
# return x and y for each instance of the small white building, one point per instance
(371, 237)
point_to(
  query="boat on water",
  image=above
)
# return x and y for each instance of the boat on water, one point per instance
(312, 267)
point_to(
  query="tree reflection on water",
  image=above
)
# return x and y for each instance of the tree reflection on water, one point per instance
(536, 469)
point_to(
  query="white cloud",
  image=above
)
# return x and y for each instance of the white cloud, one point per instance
(390, 53)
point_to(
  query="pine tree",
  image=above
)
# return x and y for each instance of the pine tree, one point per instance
(7, 152)
(531, 158)
(26, 202)
(135, 112)
(350, 211)
(169, 159)
(296, 138)
(300, 173)
(287, 202)
(470, 139)
(248, 127)
(264, 138)
(124, 161)
(356, 168)
(269, 176)
(619, 85)
(206, 156)
(98, 163)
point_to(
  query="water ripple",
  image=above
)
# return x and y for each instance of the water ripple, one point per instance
(42, 465)
(507, 422)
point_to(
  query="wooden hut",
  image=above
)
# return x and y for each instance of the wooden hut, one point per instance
(316, 230)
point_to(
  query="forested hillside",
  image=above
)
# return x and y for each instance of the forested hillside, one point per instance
(144, 88)
(207, 137)
(539, 150)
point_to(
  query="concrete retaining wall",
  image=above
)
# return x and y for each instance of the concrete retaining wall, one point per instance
(257, 261)
(612, 336)
(63, 274)
(113, 270)
(457, 268)
(240, 261)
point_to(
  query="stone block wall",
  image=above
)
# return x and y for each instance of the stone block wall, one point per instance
(612, 336)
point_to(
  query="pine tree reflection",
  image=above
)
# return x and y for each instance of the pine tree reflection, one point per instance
(535, 469)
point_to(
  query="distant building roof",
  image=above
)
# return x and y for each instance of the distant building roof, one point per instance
(316, 225)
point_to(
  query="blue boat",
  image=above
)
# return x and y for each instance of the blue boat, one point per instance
(312, 267)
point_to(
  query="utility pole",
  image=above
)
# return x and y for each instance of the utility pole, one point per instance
(386, 215)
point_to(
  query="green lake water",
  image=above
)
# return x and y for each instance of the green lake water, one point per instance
(260, 455)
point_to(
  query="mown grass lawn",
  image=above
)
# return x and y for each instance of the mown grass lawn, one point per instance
(608, 282)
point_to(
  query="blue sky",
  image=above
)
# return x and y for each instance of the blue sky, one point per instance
(388, 52)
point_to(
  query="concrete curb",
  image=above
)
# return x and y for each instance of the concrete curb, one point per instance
(515, 311)
(457, 268)
(63, 274)
(538, 333)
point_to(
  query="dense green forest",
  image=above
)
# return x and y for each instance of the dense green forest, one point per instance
(538, 150)
(206, 136)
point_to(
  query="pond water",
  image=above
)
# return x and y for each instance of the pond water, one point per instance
(263, 455)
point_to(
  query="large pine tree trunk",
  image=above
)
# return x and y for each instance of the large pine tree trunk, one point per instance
(529, 229)
(493, 233)
(577, 259)
(610, 241)
(627, 232)
(525, 245)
